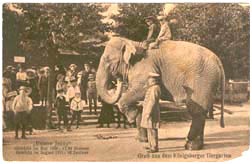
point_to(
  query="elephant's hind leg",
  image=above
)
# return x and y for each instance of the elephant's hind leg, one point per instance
(195, 138)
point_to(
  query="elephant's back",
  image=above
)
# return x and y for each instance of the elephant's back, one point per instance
(184, 48)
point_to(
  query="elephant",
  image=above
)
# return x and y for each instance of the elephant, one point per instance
(189, 74)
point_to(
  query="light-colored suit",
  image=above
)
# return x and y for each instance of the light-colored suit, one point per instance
(151, 109)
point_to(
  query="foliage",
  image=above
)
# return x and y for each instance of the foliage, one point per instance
(223, 28)
(11, 35)
(131, 22)
(42, 28)
(49, 27)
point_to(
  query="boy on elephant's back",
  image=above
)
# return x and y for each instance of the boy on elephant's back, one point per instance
(164, 34)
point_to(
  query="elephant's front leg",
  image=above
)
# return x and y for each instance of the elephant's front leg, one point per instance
(133, 113)
(195, 138)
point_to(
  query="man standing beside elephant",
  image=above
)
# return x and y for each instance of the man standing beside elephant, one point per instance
(151, 111)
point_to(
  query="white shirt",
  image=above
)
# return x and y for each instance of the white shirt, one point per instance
(22, 104)
(21, 76)
(165, 32)
(77, 104)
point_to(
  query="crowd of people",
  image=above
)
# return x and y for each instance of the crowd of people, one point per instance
(74, 89)
(21, 89)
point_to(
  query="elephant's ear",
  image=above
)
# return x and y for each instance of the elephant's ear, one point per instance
(128, 50)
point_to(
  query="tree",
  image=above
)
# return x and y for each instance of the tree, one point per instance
(11, 35)
(223, 28)
(50, 27)
(130, 21)
(44, 29)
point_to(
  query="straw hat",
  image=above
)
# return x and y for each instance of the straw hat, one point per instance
(161, 17)
(91, 76)
(152, 74)
(11, 94)
(72, 65)
(28, 90)
(30, 73)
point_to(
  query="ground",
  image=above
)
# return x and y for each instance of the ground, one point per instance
(120, 144)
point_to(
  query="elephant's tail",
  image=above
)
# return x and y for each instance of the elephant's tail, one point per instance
(222, 87)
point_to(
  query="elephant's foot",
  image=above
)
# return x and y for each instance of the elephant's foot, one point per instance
(196, 144)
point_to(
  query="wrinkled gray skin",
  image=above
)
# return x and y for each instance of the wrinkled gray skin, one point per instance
(189, 73)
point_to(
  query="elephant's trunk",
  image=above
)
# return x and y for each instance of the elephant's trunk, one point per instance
(103, 83)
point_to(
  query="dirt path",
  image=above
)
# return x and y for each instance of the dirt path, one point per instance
(83, 145)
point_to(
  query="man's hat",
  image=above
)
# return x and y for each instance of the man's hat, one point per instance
(72, 65)
(59, 76)
(22, 88)
(60, 90)
(11, 94)
(161, 17)
(152, 74)
(31, 73)
(152, 18)
(28, 90)
(46, 68)
(9, 67)
(42, 70)
(91, 76)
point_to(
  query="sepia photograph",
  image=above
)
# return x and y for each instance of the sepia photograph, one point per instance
(130, 82)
